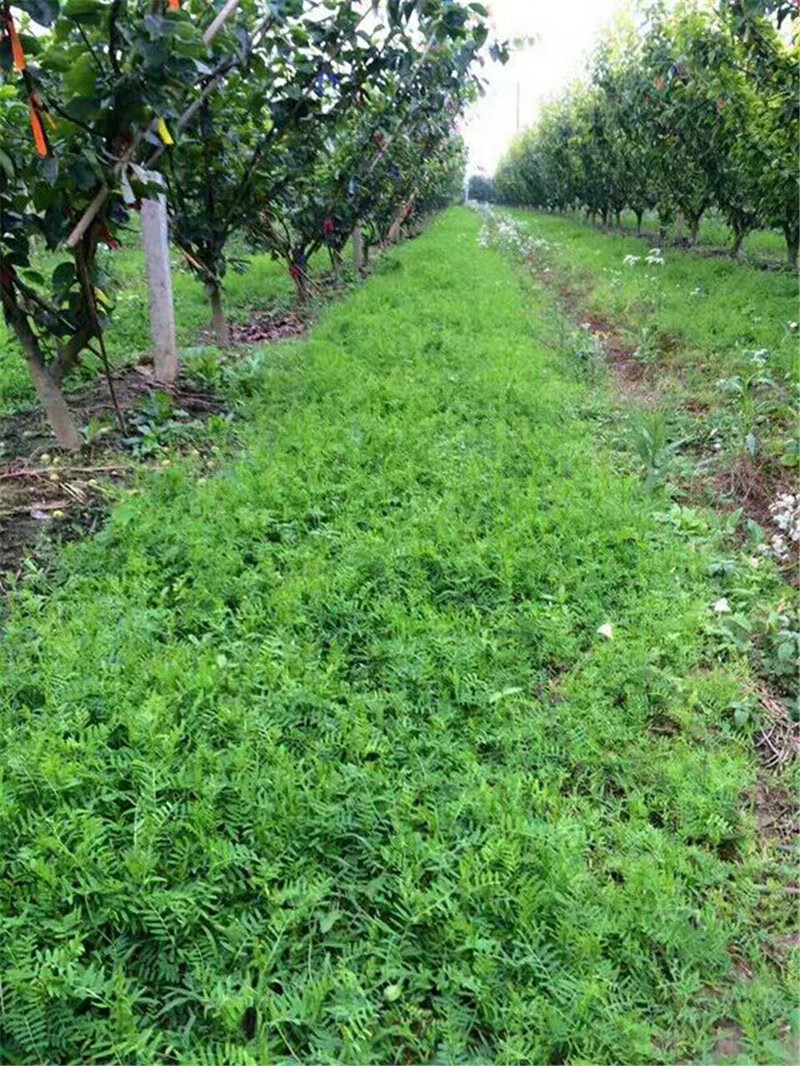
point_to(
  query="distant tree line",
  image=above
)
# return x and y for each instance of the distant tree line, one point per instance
(695, 108)
(481, 188)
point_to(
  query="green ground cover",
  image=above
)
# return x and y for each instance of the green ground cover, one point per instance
(716, 336)
(765, 246)
(261, 287)
(325, 759)
(715, 305)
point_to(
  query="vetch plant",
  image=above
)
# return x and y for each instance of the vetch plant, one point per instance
(323, 759)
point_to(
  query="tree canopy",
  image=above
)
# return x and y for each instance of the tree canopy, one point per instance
(288, 120)
(698, 107)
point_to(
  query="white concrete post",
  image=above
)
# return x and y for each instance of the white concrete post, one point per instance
(155, 238)
(358, 248)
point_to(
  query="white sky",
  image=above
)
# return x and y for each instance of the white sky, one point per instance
(566, 32)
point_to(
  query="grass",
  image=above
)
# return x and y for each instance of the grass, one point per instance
(761, 247)
(324, 759)
(721, 337)
(704, 399)
(712, 305)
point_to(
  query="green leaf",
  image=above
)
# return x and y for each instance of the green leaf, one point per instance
(741, 716)
(83, 10)
(84, 175)
(511, 691)
(732, 520)
(327, 921)
(6, 165)
(63, 278)
(42, 11)
(756, 531)
(81, 77)
(50, 170)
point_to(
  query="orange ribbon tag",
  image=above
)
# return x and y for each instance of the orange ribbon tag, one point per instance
(17, 53)
(39, 138)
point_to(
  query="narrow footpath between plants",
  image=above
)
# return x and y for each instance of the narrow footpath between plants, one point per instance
(408, 736)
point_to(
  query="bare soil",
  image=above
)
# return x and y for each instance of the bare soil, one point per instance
(51, 496)
(265, 329)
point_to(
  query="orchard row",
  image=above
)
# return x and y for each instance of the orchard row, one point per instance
(293, 123)
(695, 107)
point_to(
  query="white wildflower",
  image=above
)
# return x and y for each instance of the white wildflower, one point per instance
(631, 260)
(722, 606)
(780, 549)
(606, 630)
(785, 511)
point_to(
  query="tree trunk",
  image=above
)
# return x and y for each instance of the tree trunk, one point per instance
(219, 323)
(736, 250)
(619, 220)
(792, 236)
(638, 223)
(393, 235)
(679, 233)
(663, 226)
(299, 278)
(695, 229)
(358, 248)
(50, 395)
